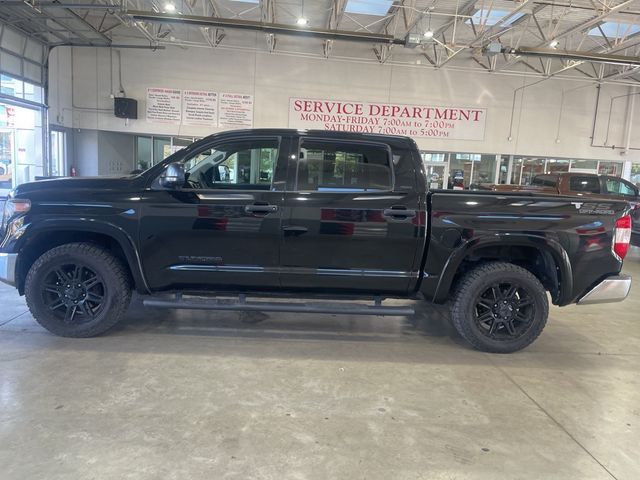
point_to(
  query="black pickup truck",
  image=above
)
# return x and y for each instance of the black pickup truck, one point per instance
(307, 221)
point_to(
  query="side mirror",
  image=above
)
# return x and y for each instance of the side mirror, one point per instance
(174, 176)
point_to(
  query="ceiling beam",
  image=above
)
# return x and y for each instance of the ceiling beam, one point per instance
(275, 28)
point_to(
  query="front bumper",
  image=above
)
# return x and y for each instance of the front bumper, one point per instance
(8, 268)
(611, 289)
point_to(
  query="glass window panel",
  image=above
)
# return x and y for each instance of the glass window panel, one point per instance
(6, 159)
(584, 165)
(635, 174)
(584, 184)
(525, 169)
(484, 170)
(144, 155)
(58, 153)
(161, 149)
(619, 187)
(327, 166)
(503, 172)
(460, 171)
(10, 86)
(610, 168)
(433, 157)
(557, 165)
(247, 164)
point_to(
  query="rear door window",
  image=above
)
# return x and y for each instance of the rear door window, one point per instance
(584, 184)
(343, 166)
(544, 181)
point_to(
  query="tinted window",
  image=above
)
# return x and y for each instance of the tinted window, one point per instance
(584, 184)
(329, 166)
(544, 181)
(618, 187)
(245, 164)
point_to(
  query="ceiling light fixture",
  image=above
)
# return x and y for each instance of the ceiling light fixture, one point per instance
(169, 7)
(554, 43)
(302, 20)
(428, 34)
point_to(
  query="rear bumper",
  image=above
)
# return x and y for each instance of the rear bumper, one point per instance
(611, 289)
(8, 268)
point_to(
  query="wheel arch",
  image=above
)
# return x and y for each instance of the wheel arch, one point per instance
(51, 234)
(543, 257)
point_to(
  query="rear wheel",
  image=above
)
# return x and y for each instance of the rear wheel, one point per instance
(77, 290)
(500, 307)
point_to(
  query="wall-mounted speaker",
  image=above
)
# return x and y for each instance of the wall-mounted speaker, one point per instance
(125, 107)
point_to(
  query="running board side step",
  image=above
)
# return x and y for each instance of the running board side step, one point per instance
(241, 304)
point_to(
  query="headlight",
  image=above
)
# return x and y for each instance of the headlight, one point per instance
(13, 207)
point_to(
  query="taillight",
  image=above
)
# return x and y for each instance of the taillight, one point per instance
(621, 237)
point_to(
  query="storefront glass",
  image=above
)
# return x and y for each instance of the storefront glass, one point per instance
(557, 165)
(21, 134)
(20, 146)
(610, 168)
(525, 168)
(584, 166)
(503, 172)
(484, 171)
(58, 153)
(460, 169)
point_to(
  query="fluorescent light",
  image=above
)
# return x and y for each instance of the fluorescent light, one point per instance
(554, 43)
(302, 21)
(428, 34)
(169, 7)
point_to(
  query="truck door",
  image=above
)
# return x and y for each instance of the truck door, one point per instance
(222, 229)
(352, 219)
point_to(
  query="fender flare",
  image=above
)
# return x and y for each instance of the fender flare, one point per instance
(119, 235)
(543, 244)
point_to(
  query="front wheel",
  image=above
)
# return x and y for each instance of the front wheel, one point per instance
(77, 290)
(500, 307)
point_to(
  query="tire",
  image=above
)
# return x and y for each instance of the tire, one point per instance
(77, 290)
(499, 307)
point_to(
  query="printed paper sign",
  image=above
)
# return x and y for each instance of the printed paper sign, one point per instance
(454, 123)
(164, 105)
(236, 110)
(199, 108)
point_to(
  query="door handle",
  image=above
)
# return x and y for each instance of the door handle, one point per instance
(398, 213)
(260, 208)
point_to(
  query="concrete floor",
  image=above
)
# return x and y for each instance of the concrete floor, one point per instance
(195, 395)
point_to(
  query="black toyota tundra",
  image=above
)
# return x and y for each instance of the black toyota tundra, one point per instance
(307, 221)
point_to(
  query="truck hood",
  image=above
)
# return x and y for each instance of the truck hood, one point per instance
(77, 183)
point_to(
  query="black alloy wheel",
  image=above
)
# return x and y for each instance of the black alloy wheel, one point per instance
(499, 307)
(504, 311)
(73, 292)
(78, 290)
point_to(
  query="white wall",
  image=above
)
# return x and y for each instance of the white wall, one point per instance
(85, 148)
(116, 153)
(543, 123)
